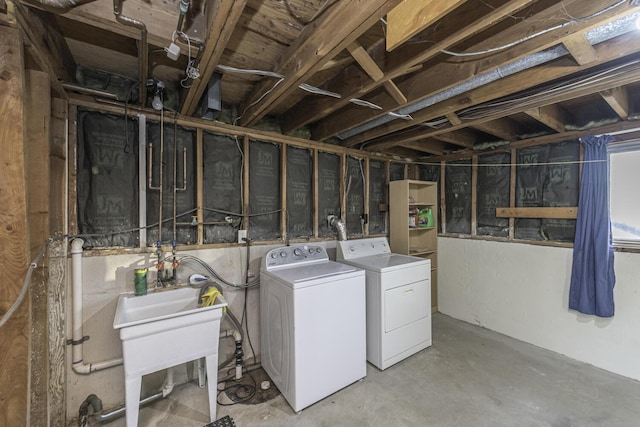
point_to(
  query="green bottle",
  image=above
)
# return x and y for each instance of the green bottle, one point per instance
(430, 221)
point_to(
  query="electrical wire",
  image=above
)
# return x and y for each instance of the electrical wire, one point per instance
(238, 393)
(492, 165)
(363, 103)
(318, 91)
(534, 35)
(524, 99)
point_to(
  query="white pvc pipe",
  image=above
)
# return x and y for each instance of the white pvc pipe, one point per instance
(77, 363)
(142, 175)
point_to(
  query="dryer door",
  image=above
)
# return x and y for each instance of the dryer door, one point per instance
(406, 304)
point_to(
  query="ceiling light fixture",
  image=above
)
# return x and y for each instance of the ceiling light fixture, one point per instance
(157, 103)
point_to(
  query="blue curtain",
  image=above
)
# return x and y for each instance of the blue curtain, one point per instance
(592, 275)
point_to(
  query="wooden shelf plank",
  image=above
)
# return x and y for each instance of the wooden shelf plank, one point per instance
(538, 212)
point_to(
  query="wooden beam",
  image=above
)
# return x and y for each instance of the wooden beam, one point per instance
(622, 129)
(505, 129)
(371, 68)
(580, 48)
(461, 138)
(320, 42)
(200, 186)
(608, 51)
(215, 127)
(552, 116)
(618, 100)
(445, 75)
(474, 195)
(412, 16)
(513, 186)
(364, 60)
(225, 15)
(14, 236)
(395, 92)
(48, 46)
(100, 14)
(57, 264)
(431, 147)
(538, 212)
(350, 84)
(38, 109)
(453, 119)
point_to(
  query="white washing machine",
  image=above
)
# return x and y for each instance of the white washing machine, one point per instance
(398, 299)
(313, 323)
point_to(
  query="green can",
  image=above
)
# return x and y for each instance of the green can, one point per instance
(140, 281)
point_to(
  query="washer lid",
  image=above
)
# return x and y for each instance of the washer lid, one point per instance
(314, 274)
(386, 262)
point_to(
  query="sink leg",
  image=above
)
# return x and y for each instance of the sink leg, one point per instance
(132, 395)
(212, 383)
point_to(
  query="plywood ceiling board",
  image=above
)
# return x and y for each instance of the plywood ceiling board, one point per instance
(412, 16)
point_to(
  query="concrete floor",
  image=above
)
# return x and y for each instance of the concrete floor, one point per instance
(469, 377)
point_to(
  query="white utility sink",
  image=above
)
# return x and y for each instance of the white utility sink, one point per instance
(164, 329)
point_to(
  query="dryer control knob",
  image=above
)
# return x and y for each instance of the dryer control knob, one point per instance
(318, 250)
(274, 255)
(297, 252)
(283, 254)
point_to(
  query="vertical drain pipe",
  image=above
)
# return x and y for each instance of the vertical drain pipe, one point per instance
(142, 47)
(77, 363)
(142, 184)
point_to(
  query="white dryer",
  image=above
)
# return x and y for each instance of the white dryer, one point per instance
(312, 320)
(398, 299)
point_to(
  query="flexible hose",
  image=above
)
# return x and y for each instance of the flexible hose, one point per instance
(25, 284)
(219, 278)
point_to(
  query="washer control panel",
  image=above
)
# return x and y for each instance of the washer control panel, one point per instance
(295, 254)
(350, 249)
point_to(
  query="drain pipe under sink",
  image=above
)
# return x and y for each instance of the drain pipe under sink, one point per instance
(78, 365)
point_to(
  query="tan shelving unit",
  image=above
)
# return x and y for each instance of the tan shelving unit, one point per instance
(404, 196)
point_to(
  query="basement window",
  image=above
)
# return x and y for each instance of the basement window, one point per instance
(624, 203)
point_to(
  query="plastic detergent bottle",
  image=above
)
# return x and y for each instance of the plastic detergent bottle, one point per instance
(430, 221)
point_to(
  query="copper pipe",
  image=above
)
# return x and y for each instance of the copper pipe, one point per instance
(142, 47)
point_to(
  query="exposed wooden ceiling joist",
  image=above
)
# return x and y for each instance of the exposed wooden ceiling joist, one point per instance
(160, 19)
(433, 80)
(320, 42)
(618, 100)
(462, 138)
(580, 48)
(551, 116)
(429, 146)
(622, 131)
(505, 129)
(224, 16)
(349, 82)
(48, 46)
(371, 68)
(607, 51)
